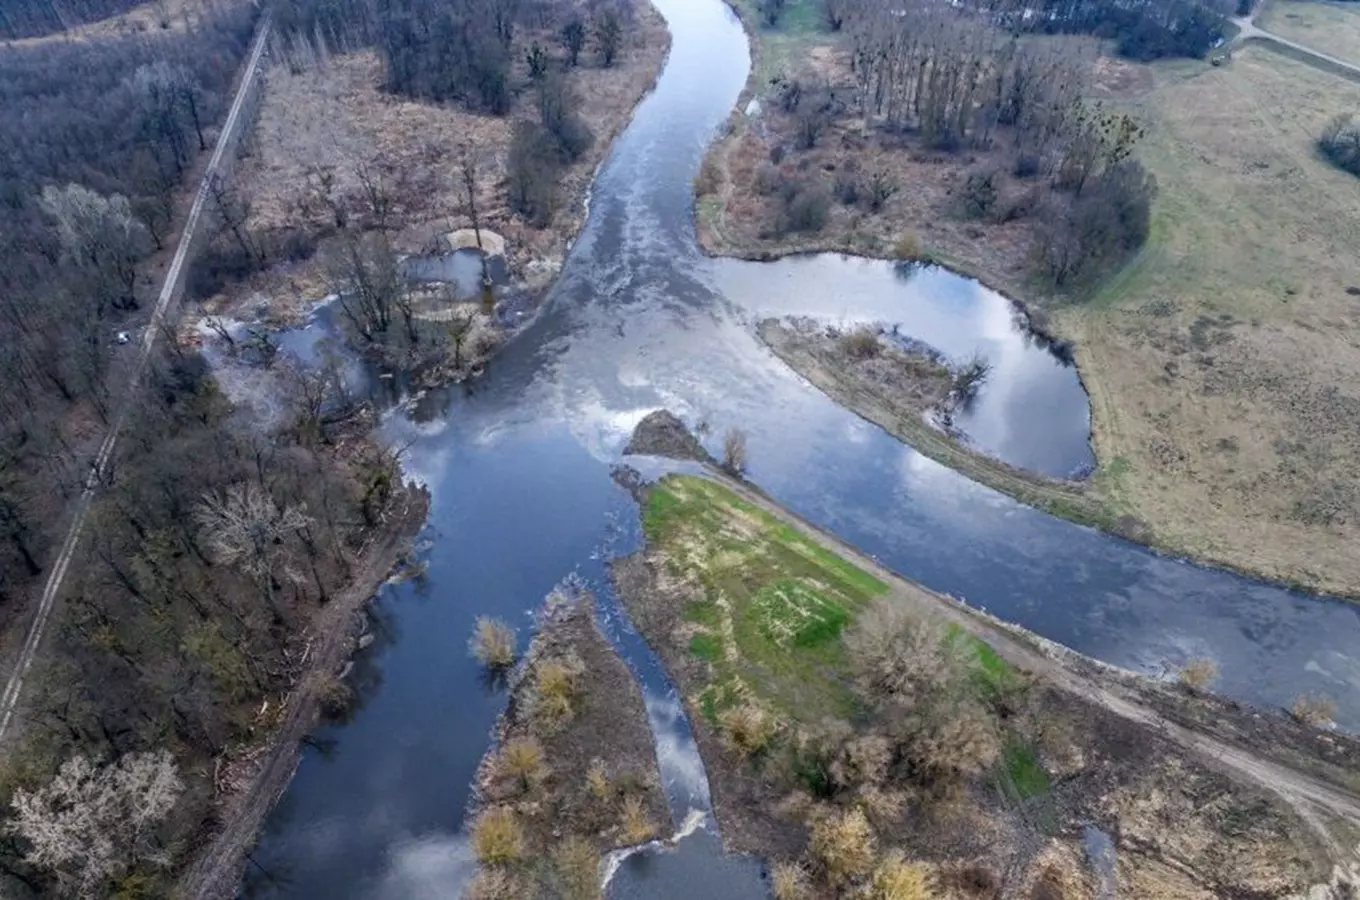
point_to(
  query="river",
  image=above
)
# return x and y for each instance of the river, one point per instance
(518, 465)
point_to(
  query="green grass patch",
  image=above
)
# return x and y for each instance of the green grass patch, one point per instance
(705, 646)
(1021, 775)
(991, 676)
(786, 600)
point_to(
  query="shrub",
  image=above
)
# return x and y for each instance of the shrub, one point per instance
(806, 208)
(637, 826)
(522, 760)
(978, 196)
(902, 658)
(897, 879)
(949, 740)
(734, 451)
(969, 378)
(494, 884)
(497, 836)
(746, 729)
(1313, 709)
(336, 699)
(862, 761)
(769, 180)
(846, 188)
(771, 11)
(577, 867)
(1027, 165)
(879, 190)
(531, 171)
(1339, 143)
(843, 846)
(597, 780)
(1199, 673)
(710, 177)
(557, 684)
(789, 881)
(860, 343)
(493, 643)
(908, 247)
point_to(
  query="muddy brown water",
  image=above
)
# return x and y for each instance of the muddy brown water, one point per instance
(518, 465)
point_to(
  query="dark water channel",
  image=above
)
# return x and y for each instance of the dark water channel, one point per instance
(518, 465)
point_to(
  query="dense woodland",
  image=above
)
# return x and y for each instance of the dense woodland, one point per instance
(933, 82)
(32, 18)
(1141, 29)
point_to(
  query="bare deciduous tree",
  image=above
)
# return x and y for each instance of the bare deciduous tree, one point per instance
(100, 235)
(94, 823)
(246, 528)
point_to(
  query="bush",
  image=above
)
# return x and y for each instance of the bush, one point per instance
(1027, 165)
(769, 180)
(844, 846)
(908, 247)
(846, 187)
(577, 868)
(494, 884)
(901, 658)
(789, 881)
(747, 729)
(860, 343)
(879, 190)
(521, 759)
(557, 684)
(862, 761)
(1102, 226)
(771, 11)
(897, 879)
(493, 643)
(1199, 673)
(978, 196)
(1339, 143)
(336, 699)
(1313, 709)
(710, 177)
(970, 378)
(597, 780)
(531, 172)
(497, 836)
(637, 826)
(949, 740)
(734, 451)
(806, 208)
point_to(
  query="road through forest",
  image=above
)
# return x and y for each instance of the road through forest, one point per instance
(170, 287)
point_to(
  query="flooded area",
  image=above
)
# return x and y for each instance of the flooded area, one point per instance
(518, 464)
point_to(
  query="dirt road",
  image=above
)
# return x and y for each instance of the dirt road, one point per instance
(174, 275)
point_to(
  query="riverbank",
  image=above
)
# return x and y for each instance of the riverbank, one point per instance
(337, 158)
(767, 625)
(1221, 410)
(250, 778)
(572, 773)
(883, 389)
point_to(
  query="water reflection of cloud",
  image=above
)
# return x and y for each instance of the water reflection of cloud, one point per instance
(677, 755)
(432, 867)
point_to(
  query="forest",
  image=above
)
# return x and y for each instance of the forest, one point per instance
(33, 18)
(1141, 29)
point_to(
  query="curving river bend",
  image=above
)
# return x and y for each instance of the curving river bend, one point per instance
(519, 464)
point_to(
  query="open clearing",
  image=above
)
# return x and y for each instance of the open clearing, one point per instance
(1333, 28)
(762, 621)
(1223, 363)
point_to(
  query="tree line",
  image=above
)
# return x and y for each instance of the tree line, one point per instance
(34, 18)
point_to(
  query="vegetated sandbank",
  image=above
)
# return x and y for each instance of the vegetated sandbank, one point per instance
(572, 773)
(860, 731)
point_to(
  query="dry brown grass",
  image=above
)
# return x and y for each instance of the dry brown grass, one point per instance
(1198, 673)
(636, 825)
(493, 643)
(147, 19)
(789, 881)
(576, 866)
(897, 878)
(497, 836)
(844, 846)
(1313, 709)
(1332, 28)
(1222, 364)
